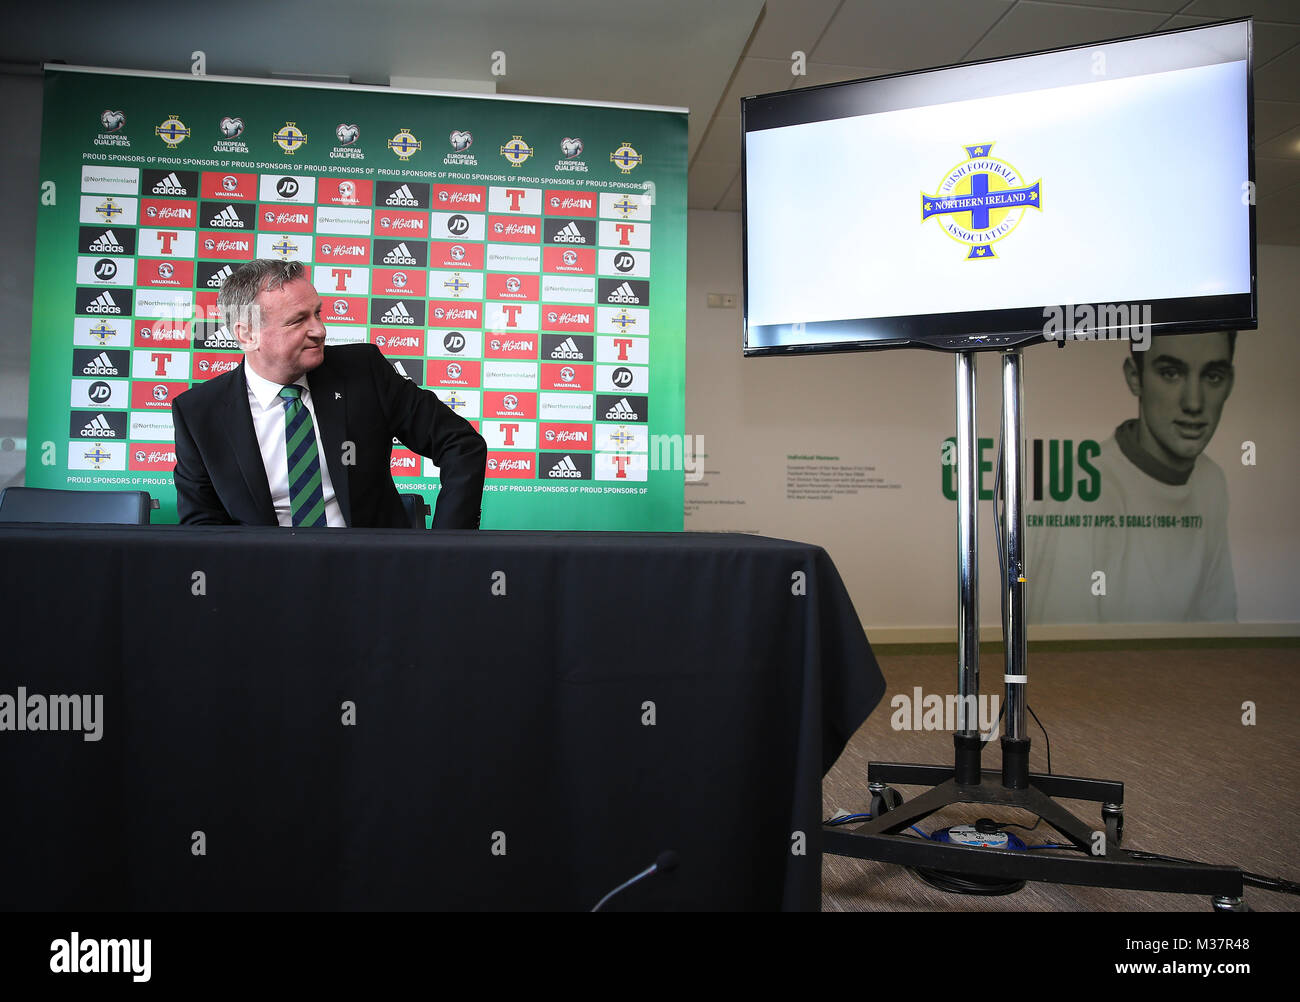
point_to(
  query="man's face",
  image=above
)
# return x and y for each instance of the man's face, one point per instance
(286, 338)
(1184, 382)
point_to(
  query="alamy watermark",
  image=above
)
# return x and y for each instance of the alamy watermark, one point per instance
(35, 712)
(919, 711)
(75, 955)
(678, 452)
(1102, 322)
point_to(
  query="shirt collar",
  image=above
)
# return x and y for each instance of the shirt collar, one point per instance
(266, 392)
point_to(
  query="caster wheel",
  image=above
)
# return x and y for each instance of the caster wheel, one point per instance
(885, 801)
(1114, 817)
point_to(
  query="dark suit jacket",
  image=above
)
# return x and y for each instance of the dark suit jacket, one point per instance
(358, 398)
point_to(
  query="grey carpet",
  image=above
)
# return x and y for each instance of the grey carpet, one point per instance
(1167, 723)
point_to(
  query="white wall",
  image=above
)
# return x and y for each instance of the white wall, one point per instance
(896, 546)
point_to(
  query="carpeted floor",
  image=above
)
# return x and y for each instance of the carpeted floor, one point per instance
(1198, 783)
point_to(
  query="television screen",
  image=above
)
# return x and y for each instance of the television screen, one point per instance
(1100, 191)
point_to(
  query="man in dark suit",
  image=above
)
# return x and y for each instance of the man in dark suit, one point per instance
(301, 434)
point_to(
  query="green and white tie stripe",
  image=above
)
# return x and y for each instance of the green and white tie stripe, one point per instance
(306, 493)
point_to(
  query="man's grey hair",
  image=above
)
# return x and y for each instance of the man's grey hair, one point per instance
(239, 292)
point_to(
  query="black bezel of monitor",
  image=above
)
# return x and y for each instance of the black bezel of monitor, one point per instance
(983, 330)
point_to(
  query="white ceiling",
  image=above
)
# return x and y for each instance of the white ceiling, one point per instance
(851, 39)
(700, 54)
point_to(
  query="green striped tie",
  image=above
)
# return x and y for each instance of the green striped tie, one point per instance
(306, 494)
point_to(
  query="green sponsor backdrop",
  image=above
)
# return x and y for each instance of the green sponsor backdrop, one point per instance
(82, 129)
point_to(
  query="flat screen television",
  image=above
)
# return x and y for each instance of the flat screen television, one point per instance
(1098, 191)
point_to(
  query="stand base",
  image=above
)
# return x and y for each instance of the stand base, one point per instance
(1106, 865)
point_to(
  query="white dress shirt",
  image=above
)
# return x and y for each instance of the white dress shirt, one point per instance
(267, 407)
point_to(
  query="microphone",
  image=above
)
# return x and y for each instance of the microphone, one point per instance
(664, 862)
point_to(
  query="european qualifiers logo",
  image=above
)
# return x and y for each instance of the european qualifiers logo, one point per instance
(623, 292)
(625, 158)
(574, 232)
(405, 145)
(516, 152)
(289, 138)
(571, 153)
(230, 129)
(112, 123)
(172, 131)
(348, 136)
(227, 216)
(105, 302)
(980, 201)
(460, 156)
(403, 194)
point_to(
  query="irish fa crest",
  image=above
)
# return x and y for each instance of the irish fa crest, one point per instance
(290, 138)
(981, 200)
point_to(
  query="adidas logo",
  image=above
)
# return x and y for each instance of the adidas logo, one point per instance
(397, 315)
(402, 196)
(564, 468)
(567, 349)
(621, 411)
(220, 338)
(98, 427)
(228, 218)
(103, 303)
(623, 294)
(106, 243)
(216, 280)
(100, 365)
(570, 234)
(170, 185)
(400, 254)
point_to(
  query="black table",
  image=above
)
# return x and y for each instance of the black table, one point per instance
(393, 719)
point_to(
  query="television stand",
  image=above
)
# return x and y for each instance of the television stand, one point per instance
(883, 838)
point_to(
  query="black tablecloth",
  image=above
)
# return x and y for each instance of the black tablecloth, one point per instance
(499, 751)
